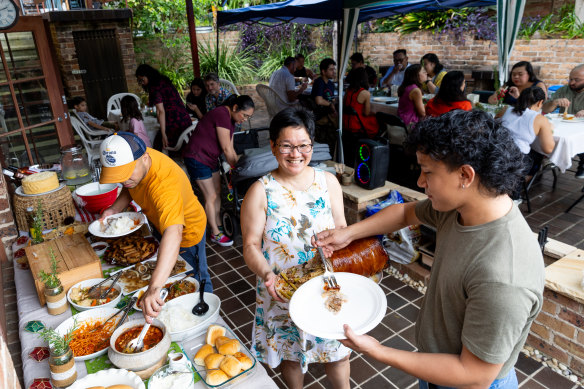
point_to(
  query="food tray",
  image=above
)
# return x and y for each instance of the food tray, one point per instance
(141, 291)
(112, 260)
(129, 288)
(191, 346)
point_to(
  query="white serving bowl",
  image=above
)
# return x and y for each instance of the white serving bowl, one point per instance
(81, 317)
(188, 301)
(142, 360)
(90, 283)
(141, 291)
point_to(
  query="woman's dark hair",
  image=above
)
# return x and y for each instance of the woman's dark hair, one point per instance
(410, 77)
(471, 138)
(527, 98)
(130, 108)
(198, 81)
(449, 91)
(154, 76)
(292, 117)
(242, 102)
(358, 78)
(431, 57)
(76, 101)
(528, 69)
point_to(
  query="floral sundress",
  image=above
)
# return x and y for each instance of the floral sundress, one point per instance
(292, 217)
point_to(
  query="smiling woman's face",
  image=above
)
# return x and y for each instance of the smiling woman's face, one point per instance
(287, 149)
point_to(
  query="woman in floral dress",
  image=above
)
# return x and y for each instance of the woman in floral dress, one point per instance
(280, 213)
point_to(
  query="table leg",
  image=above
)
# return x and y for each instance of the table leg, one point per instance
(576, 202)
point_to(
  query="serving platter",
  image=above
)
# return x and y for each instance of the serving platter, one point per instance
(109, 377)
(95, 228)
(20, 192)
(363, 310)
(172, 279)
(130, 285)
(89, 283)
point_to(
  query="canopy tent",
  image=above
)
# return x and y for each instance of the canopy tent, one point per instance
(353, 12)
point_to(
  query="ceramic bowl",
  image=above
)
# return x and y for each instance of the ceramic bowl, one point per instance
(89, 283)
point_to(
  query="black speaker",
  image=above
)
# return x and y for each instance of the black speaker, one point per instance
(371, 163)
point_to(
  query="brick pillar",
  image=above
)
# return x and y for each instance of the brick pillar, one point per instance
(8, 230)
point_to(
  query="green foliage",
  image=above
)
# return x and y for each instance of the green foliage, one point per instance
(416, 21)
(38, 224)
(235, 66)
(51, 279)
(58, 344)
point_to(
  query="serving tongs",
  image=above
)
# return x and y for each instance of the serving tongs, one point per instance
(125, 309)
(90, 291)
(328, 277)
(137, 344)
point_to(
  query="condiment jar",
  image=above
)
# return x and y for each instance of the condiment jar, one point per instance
(74, 165)
(63, 371)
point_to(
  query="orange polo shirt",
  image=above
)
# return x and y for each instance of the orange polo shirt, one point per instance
(166, 197)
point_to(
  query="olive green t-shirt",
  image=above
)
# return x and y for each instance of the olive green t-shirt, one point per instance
(576, 99)
(485, 289)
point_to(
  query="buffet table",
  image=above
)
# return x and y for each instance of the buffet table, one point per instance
(32, 316)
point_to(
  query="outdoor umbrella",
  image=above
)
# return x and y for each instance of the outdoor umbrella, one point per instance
(509, 14)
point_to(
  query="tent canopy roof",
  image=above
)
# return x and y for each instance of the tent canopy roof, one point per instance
(319, 11)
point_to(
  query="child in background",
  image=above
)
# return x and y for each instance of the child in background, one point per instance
(131, 113)
(196, 98)
(80, 106)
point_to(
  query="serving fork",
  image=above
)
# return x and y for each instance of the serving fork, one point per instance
(328, 277)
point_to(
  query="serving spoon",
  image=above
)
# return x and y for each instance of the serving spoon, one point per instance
(137, 344)
(202, 307)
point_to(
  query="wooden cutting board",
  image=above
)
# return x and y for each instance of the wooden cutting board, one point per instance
(75, 257)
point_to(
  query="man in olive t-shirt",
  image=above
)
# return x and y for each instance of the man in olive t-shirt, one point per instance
(487, 280)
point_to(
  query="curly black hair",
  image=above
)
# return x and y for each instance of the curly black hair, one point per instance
(472, 138)
(292, 117)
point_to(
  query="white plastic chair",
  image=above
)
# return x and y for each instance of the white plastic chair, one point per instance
(91, 146)
(114, 102)
(229, 86)
(272, 99)
(183, 138)
(91, 133)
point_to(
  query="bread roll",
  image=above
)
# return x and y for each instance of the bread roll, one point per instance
(246, 362)
(221, 340)
(229, 348)
(202, 354)
(230, 365)
(363, 256)
(216, 377)
(213, 332)
(212, 361)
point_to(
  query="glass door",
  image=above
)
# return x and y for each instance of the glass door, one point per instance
(32, 109)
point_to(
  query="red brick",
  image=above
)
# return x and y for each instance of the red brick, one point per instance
(547, 348)
(572, 317)
(562, 300)
(542, 331)
(570, 346)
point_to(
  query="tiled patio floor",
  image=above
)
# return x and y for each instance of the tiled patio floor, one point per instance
(234, 284)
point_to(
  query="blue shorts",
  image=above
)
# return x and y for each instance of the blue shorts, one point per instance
(507, 382)
(198, 170)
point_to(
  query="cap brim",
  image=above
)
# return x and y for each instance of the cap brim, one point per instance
(114, 175)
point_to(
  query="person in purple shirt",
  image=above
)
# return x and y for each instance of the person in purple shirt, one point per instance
(213, 137)
(172, 115)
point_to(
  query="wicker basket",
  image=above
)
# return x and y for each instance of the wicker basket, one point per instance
(57, 206)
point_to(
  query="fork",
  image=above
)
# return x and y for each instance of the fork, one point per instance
(328, 277)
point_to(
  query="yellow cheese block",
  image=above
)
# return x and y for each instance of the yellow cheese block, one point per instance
(40, 183)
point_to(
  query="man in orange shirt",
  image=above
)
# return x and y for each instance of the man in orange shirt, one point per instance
(158, 185)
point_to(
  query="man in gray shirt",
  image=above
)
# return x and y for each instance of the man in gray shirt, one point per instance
(487, 280)
(282, 81)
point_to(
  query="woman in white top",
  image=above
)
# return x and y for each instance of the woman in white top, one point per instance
(526, 122)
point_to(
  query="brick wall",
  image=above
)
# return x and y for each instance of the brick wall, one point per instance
(555, 57)
(62, 38)
(8, 231)
(558, 331)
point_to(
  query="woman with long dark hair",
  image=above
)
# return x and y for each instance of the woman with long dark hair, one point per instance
(358, 97)
(213, 137)
(411, 108)
(196, 98)
(522, 76)
(171, 113)
(435, 71)
(450, 95)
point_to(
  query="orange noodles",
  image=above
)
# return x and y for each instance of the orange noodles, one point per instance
(86, 342)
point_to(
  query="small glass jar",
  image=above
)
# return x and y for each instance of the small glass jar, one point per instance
(62, 366)
(74, 165)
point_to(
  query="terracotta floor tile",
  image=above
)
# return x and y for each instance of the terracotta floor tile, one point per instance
(527, 365)
(361, 371)
(395, 301)
(399, 378)
(552, 379)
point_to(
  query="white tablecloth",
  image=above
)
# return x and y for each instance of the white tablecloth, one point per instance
(29, 309)
(151, 123)
(569, 137)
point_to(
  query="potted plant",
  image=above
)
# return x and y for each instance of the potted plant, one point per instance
(61, 359)
(54, 291)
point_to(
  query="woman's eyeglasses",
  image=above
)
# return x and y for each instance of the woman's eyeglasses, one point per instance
(287, 149)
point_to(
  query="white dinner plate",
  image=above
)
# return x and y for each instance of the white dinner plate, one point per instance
(383, 99)
(573, 120)
(95, 227)
(141, 291)
(109, 377)
(365, 307)
(86, 316)
(128, 288)
(20, 192)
